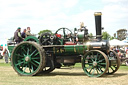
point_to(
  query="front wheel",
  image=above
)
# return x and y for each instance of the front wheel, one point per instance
(95, 63)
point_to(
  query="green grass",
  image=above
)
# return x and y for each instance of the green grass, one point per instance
(73, 76)
(122, 67)
(5, 64)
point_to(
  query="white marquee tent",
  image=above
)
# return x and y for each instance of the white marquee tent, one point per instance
(116, 42)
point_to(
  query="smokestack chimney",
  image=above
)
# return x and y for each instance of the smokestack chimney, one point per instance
(98, 25)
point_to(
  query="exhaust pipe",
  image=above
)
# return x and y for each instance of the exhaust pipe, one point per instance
(98, 25)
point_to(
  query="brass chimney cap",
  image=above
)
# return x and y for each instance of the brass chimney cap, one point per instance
(97, 13)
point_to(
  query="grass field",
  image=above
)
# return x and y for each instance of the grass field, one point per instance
(64, 76)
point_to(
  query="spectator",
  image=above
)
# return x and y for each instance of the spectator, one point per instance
(115, 49)
(17, 35)
(23, 34)
(5, 53)
(28, 31)
(111, 48)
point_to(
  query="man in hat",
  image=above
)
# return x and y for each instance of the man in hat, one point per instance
(17, 35)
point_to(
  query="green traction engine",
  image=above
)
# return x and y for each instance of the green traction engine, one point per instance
(65, 48)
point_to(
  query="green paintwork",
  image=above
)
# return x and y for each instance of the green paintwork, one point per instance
(80, 49)
(80, 37)
(26, 59)
(95, 63)
(69, 49)
(10, 48)
(31, 38)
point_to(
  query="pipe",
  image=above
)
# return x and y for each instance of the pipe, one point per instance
(98, 25)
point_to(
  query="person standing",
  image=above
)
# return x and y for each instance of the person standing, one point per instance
(17, 35)
(5, 53)
(23, 34)
(28, 31)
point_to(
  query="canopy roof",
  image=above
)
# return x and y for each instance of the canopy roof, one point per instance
(116, 42)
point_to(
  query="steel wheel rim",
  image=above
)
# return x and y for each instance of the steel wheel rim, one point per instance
(113, 68)
(95, 63)
(27, 59)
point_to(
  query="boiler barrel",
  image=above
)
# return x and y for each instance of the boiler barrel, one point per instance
(70, 49)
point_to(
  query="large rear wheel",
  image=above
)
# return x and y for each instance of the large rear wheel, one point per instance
(28, 58)
(95, 63)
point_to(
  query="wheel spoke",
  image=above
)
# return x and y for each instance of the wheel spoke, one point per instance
(93, 71)
(36, 54)
(112, 68)
(89, 60)
(96, 56)
(36, 58)
(22, 65)
(97, 71)
(33, 53)
(19, 63)
(28, 51)
(99, 56)
(90, 70)
(32, 68)
(24, 50)
(100, 70)
(90, 63)
(92, 59)
(36, 62)
(25, 69)
(102, 63)
(88, 67)
(101, 60)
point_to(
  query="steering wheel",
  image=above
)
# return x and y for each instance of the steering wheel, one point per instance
(64, 32)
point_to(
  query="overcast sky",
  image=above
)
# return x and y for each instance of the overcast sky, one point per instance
(53, 14)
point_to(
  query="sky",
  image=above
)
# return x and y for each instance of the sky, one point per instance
(54, 14)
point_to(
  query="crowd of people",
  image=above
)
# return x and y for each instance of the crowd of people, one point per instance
(18, 36)
(121, 51)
